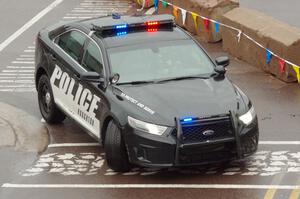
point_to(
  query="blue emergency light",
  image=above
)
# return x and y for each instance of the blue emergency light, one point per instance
(121, 33)
(188, 119)
(122, 26)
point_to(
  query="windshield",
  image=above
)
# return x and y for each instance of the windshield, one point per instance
(159, 60)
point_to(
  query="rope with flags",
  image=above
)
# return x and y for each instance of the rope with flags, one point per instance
(217, 24)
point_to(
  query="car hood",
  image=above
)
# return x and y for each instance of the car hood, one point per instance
(161, 103)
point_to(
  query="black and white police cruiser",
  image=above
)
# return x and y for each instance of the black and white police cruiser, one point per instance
(145, 89)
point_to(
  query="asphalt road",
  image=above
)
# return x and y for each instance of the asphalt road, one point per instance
(73, 166)
(287, 11)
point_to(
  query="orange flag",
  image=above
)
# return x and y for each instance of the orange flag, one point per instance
(194, 15)
(297, 71)
(175, 11)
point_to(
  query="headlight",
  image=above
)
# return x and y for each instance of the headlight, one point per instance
(146, 127)
(248, 117)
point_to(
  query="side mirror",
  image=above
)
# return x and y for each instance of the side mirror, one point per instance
(91, 77)
(115, 78)
(221, 70)
(222, 61)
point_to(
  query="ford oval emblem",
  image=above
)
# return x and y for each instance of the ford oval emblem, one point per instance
(208, 133)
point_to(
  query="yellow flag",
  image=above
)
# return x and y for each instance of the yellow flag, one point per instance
(175, 11)
(297, 70)
(194, 15)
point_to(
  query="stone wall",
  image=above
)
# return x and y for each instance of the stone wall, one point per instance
(275, 35)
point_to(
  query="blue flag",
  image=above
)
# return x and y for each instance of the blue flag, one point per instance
(156, 4)
(269, 56)
(217, 27)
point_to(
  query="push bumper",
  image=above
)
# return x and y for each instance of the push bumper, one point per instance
(168, 151)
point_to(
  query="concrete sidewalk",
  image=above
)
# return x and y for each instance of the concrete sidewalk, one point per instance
(21, 130)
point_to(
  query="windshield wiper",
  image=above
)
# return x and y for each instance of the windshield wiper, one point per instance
(182, 78)
(135, 83)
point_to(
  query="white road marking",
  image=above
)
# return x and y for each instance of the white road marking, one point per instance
(17, 86)
(82, 14)
(29, 51)
(66, 164)
(279, 142)
(27, 55)
(23, 62)
(18, 67)
(32, 21)
(79, 17)
(18, 71)
(96, 11)
(25, 59)
(17, 81)
(19, 90)
(72, 145)
(96, 144)
(153, 186)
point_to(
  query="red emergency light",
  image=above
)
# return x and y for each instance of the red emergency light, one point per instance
(152, 23)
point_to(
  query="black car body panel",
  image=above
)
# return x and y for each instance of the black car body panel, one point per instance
(212, 101)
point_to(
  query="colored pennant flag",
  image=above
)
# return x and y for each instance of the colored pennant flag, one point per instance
(282, 65)
(206, 24)
(156, 4)
(269, 56)
(217, 27)
(194, 15)
(175, 11)
(183, 13)
(165, 4)
(297, 71)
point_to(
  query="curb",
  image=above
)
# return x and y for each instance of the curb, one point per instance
(21, 130)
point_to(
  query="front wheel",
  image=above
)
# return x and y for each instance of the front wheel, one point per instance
(48, 108)
(115, 150)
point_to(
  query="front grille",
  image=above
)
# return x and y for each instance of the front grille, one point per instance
(207, 129)
(206, 154)
(204, 158)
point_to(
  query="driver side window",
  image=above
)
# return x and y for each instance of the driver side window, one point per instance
(92, 59)
(72, 43)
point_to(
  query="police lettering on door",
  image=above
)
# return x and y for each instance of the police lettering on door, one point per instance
(74, 99)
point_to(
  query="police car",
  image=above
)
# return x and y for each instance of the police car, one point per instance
(145, 89)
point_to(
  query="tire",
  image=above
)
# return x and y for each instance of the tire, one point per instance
(48, 109)
(115, 150)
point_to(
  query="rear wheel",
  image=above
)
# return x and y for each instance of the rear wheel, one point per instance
(115, 150)
(48, 109)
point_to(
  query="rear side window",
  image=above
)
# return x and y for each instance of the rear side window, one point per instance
(92, 59)
(72, 43)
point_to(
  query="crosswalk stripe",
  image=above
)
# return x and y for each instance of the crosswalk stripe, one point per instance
(23, 62)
